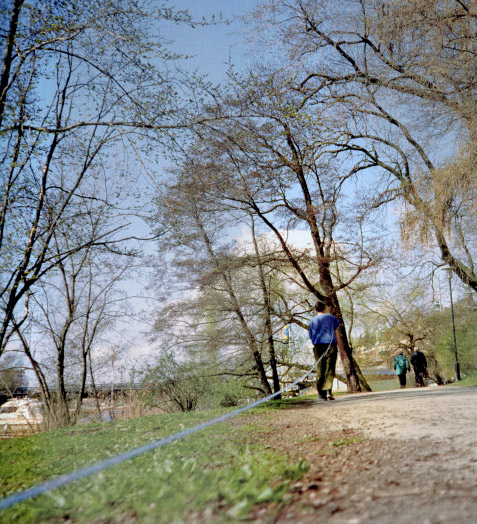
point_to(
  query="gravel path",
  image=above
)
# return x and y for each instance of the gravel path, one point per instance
(405, 456)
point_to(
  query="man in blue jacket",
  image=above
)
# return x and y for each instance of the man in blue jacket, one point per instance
(325, 337)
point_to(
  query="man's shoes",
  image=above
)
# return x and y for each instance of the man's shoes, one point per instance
(331, 397)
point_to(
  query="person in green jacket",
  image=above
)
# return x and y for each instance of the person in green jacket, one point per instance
(402, 366)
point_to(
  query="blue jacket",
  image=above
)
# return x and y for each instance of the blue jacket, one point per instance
(322, 328)
(401, 364)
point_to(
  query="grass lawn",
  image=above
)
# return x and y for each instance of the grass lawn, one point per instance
(225, 466)
(220, 464)
(469, 380)
(387, 384)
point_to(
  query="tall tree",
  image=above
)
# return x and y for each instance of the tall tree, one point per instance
(70, 311)
(266, 154)
(83, 85)
(267, 310)
(399, 79)
(198, 230)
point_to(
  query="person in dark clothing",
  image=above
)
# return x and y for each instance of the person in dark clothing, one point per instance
(419, 363)
(324, 334)
(401, 365)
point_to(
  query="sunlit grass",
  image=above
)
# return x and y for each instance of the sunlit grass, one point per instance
(469, 380)
(222, 466)
(387, 384)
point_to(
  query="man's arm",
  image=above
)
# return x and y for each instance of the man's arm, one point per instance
(339, 341)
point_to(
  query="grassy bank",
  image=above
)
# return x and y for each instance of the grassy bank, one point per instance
(223, 465)
(384, 384)
(469, 380)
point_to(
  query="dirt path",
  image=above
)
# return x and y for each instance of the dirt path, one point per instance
(406, 456)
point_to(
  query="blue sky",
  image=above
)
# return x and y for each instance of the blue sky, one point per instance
(213, 45)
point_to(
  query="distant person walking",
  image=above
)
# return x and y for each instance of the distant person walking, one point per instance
(401, 365)
(419, 363)
(325, 337)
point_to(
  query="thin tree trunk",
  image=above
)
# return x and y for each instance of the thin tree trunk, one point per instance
(7, 60)
(268, 316)
(84, 372)
(236, 308)
(93, 385)
(62, 396)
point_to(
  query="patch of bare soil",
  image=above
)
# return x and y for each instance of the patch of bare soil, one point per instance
(406, 456)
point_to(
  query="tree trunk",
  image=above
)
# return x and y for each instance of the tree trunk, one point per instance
(236, 308)
(63, 414)
(7, 60)
(268, 316)
(93, 385)
(352, 379)
(362, 381)
(84, 372)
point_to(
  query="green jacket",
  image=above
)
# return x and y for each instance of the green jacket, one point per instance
(401, 364)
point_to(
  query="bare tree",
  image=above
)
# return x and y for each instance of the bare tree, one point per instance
(266, 154)
(267, 310)
(197, 233)
(12, 371)
(70, 311)
(82, 83)
(399, 79)
(400, 316)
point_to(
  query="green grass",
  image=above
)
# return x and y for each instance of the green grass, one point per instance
(469, 380)
(344, 442)
(286, 403)
(386, 384)
(222, 466)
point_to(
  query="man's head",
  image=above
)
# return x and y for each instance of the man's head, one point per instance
(320, 307)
